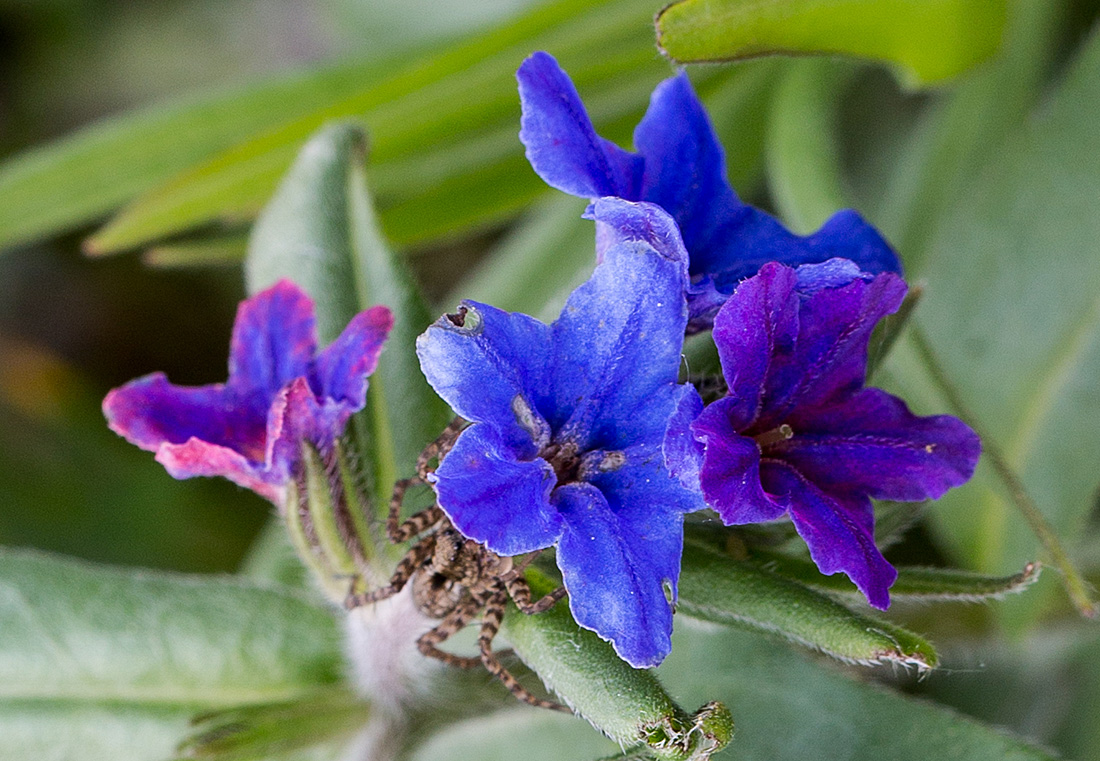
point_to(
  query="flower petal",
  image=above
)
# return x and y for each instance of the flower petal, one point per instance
(201, 458)
(615, 564)
(492, 497)
(830, 355)
(150, 412)
(617, 350)
(871, 443)
(847, 235)
(274, 338)
(730, 475)
(296, 415)
(342, 368)
(683, 454)
(685, 166)
(838, 529)
(490, 366)
(562, 145)
(755, 332)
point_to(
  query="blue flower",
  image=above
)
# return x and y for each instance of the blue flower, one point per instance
(569, 420)
(798, 433)
(681, 167)
(280, 393)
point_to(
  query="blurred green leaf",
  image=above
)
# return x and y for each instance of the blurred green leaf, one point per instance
(926, 42)
(319, 230)
(1012, 311)
(716, 588)
(101, 663)
(802, 159)
(443, 129)
(625, 703)
(82, 177)
(966, 127)
(202, 252)
(789, 708)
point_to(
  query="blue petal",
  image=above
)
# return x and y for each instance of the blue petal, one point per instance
(683, 454)
(494, 498)
(685, 167)
(847, 235)
(491, 368)
(342, 368)
(838, 529)
(617, 350)
(628, 222)
(562, 145)
(730, 474)
(615, 564)
(274, 339)
(872, 444)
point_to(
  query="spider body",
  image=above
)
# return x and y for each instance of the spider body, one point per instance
(455, 578)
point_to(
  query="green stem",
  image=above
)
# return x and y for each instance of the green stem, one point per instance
(1075, 585)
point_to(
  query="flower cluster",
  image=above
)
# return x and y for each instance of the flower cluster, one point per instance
(582, 437)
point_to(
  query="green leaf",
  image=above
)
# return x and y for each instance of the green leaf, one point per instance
(914, 583)
(443, 128)
(716, 588)
(101, 663)
(626, 704)
(320, 231)
(925, 42)
(1012, 311)
(314, 726)
(82, 177)
(791, 709)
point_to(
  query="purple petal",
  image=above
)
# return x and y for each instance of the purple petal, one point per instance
(491, 368)
(296, 415)
(830, 357)
(615, 565)
(871, 443)
(150, 411)
(839, 530)
(755, 332)
(494, 498)
(685, 167)
(201, 458)
(562, 145)
(617, 350)
(274, 338)
(683, 454)
(342, 368)
(628, 222)
(730, 476)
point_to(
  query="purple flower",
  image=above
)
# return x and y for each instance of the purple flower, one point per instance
(280, 392)
(681, 167)
(568, 425)
(799, 434)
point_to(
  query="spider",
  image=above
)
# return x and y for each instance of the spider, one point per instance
(455, 578)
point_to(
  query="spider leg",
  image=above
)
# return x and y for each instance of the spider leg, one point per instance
(416, 524)
(520, 592)
(451, 623)
(408, 565)
(439, 448)
(490, 625)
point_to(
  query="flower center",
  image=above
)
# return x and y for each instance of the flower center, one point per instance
(774, 436)
(565, 459)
